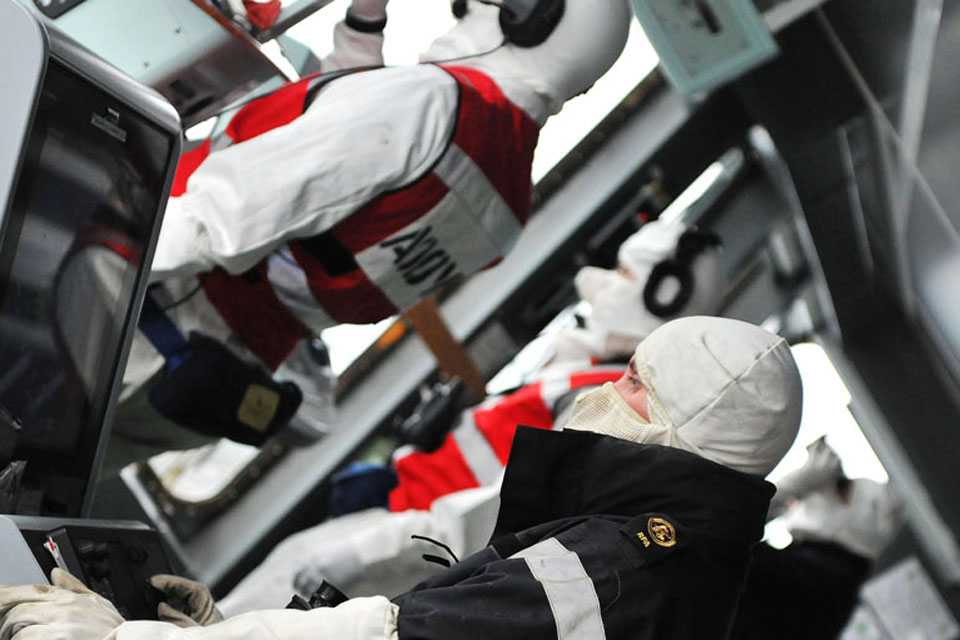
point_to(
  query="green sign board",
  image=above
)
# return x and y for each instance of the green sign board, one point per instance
(705, 43)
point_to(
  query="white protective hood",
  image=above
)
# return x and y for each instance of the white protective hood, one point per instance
(617, 308)
(587, 41)
(731, 390)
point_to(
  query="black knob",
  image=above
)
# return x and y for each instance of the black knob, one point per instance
(327, 595)
(98, 569)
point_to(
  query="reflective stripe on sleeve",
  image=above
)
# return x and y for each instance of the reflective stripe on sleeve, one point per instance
(291, 286)
(477, 452)
(552, 387)
(570, 591)
(461, 174)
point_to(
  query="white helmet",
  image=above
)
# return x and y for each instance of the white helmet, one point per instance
(581, 48)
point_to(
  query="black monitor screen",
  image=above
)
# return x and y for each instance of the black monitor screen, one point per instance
(70, 261)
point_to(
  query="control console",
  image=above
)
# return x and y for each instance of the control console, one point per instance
(114, 559)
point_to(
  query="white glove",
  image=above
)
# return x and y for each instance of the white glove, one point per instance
(65, 611)
(369, 10)
(195, 596)
(821, 468)
(356, 619)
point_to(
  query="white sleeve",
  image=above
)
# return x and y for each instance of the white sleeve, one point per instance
(357, 619)
(352, 48)
(366, 134)
(271, 584)
(368, 553)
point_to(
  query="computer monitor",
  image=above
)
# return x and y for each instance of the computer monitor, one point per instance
(81, 212)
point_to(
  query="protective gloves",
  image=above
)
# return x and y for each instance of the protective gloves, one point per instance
(821, 468)
(65, 611)
(196, 600)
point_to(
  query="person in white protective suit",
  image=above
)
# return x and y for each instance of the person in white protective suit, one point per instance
(348, 197)
(373, 552)
(673, 454)
(139, 429)
(839, 527)
(613, 327)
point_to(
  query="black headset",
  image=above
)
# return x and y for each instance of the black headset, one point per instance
(525, 23)
(691, 244)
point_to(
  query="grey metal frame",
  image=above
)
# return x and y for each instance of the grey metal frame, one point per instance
(19, 566)
(22, 67)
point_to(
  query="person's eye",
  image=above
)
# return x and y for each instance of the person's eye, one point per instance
(635, 382)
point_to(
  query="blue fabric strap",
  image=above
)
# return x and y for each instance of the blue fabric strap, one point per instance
(163, 334)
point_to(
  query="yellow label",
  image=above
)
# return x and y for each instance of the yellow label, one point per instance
(662, 532)
(643, 539)
(258, 407)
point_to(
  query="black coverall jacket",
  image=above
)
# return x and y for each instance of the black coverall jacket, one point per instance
(600, 538)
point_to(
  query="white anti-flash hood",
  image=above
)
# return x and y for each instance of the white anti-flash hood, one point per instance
(730, 389)
(586, 43)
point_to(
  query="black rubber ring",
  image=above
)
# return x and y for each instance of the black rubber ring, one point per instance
(365, 26)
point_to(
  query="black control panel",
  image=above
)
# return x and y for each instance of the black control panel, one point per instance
(114, 559)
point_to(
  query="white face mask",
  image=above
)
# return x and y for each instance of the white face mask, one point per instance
(604, 411)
